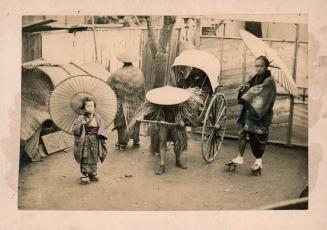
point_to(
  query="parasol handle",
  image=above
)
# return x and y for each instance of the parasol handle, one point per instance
(241, 86)
(275, 67)
(158, 122)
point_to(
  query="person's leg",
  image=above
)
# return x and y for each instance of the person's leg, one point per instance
(84, 179)
(180, 143)
(136, 134)
(162, 156)
(84, 174)
(258, 145)
(242, 142)
(121, 131)
(241, 148)
(163, 134)
(179, 162)
(154, 139)
(94, 175)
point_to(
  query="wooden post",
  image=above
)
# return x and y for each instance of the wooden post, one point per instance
(290, 118)
(94, 39)
(198, 33)
(221, 55)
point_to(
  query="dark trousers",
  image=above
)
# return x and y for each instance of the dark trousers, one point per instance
(257, 142)
(124, 136)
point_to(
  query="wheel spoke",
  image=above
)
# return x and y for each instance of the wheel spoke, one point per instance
(207, 134)
(208, 145)
(213, 112)
(220, 114)
(212, 146)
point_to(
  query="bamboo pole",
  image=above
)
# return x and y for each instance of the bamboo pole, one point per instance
(290, 118)
(263, 39)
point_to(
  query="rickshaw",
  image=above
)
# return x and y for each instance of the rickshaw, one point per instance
(198, 68)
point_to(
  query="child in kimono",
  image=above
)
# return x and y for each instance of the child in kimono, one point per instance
(90, 141)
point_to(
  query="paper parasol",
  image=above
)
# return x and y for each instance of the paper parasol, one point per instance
(168, 95)
(280, 72)
(66, 100)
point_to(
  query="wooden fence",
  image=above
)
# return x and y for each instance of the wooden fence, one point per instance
(63, 47)
(237, 64)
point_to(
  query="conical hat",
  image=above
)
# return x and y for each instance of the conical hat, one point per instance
(127, 56)
(66, 100)
(168, 95)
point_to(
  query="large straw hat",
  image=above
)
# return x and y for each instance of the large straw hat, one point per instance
(168, 95)
(66, 100)
(128, 56)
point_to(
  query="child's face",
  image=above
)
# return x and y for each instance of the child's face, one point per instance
(89, 107)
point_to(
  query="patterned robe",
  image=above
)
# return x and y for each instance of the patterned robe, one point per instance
(258, 96)
(80, 138)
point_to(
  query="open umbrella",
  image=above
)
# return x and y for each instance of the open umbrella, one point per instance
(66, 100)
(279, 70)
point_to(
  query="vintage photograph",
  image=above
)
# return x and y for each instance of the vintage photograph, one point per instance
(164, 113)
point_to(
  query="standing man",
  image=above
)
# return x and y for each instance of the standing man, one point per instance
(128, 84)
(170, 109)
(257, 96)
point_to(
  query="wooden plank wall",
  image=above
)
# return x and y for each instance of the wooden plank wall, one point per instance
(31, 46)
(63, 47)
(80, 46)
(237, 64)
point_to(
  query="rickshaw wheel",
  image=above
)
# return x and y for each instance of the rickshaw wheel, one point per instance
(214, 126)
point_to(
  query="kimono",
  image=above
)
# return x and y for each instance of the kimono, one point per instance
(128, 84)
(90, 143)
(257, 96)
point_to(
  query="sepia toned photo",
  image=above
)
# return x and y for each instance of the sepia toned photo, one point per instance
(164, 113)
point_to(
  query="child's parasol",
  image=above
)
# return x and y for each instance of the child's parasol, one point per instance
(66, 100)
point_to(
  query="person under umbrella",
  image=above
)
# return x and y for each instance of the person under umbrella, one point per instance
(128, 84)
(90, 141)
(170, 109)
(85, 106)
(257, 96)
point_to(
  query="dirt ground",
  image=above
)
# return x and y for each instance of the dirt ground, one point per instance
(127, 181)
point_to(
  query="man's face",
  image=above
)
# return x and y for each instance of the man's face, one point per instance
(89, 107)
(260, 66)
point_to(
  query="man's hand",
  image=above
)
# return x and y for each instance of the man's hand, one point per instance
(181, 124)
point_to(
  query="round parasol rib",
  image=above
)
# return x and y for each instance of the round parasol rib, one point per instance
(279, 70)
(66, 100)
